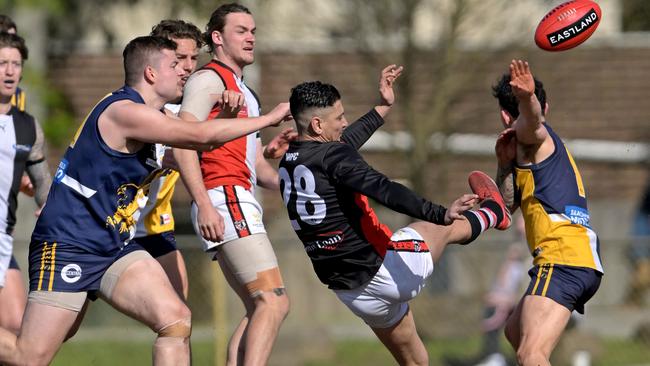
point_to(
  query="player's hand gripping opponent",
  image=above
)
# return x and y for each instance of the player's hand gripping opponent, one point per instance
(460, 205)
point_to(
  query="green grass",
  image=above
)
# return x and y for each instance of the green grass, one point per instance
(348, 353)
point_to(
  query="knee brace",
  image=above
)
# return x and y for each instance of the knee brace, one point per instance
(181, 328)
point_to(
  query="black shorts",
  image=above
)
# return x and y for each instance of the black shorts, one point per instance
(158, 244)
(13, 264)
(569, 286)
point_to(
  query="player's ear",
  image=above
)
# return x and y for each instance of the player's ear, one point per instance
(315, 124)
(149, 74)
(217, 38)
(545, 108)
(506, 118)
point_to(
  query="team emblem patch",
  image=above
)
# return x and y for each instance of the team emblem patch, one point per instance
(71, 273)
(240, 225)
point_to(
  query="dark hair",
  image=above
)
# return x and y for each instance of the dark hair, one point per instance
(218, 20)
(8, 40)
(6, 23)
(178, 29)
(312, 94)
(140, 52)
(508, 101)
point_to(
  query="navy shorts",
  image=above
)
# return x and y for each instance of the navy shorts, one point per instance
(569, 286)
(13, 264)
(158, 244)
(55, 266)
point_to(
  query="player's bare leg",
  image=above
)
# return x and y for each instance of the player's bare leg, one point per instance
(403, 342)
(13, 299)
(250, 267)
(541, 323)
(174, 266)
(252, 341)
(438, 237)
(43, 330)
(144, 292)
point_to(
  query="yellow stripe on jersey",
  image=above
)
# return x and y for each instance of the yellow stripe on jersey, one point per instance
(81, 127)
(42, 269)
(581, 187)
(160, 219)
(553, 238)
(18, 100)
(548, 278)
(52, 266)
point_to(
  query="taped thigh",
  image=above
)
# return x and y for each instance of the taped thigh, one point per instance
(113, 273)
(253, 264)
(66, 300)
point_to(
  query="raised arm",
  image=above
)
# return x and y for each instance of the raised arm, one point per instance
(505, 149)
(529, 127)
(360, 131)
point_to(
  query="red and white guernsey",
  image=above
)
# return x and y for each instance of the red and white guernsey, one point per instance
(232, 164)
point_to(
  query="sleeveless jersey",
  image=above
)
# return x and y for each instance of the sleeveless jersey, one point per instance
(325, 188)
(233, 163)
(156, 216)
(554, 206)
(97, 192)
(17, 137)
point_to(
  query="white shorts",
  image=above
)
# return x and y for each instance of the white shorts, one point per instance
(6, 248)
(242, 214)
(383, 301)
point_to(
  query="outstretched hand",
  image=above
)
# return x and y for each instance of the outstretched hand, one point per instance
(281, 113)
(388, 76)
(279, 144)
(460, 205)
(521, 79)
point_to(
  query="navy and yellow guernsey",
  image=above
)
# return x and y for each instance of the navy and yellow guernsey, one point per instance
(97, 192)
(554, 206)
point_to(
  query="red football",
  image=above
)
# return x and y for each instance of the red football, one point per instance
(568, 25)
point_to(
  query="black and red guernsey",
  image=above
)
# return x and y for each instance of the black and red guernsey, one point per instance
(325, 188)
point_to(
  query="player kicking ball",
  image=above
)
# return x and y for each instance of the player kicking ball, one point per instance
(325, 184)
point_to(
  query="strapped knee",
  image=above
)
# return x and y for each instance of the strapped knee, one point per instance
(181, 328)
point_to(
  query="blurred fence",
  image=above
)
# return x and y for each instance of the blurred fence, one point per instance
(449, 309)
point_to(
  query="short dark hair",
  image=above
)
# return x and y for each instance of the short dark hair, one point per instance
(140, 52)
(6, 24)
(311, 94)
(508, 101)
(218, 20)
(9, 40)
(178, 29)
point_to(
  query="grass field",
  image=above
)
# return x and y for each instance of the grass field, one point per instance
(349, 353)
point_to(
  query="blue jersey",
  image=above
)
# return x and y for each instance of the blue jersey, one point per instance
(97, 192)
(554, 206)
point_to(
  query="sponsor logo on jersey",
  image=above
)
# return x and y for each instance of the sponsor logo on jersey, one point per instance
(291, 156)
(61, 170)
(577, 215)
(71, 273)
(165, 219)
(331, 242)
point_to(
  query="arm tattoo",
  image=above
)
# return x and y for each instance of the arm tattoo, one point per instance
(505, 182)
(37, 168)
